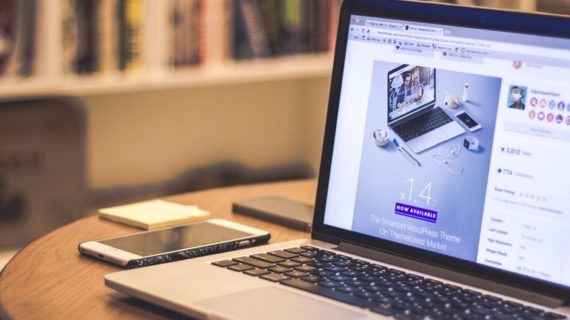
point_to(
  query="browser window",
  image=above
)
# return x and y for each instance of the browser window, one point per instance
(495, 194)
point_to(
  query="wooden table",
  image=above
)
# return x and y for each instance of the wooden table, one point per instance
(48, 279)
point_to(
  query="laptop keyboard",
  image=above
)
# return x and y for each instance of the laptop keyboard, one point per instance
(422, 124)
(383, 290)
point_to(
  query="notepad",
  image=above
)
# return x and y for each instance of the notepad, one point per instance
(154, 214)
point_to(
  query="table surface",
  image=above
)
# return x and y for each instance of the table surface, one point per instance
(50, 279)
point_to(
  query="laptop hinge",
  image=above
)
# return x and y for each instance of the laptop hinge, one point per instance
(518, 293)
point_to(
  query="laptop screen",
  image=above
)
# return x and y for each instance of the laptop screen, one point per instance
(409, 89)
(497, 193)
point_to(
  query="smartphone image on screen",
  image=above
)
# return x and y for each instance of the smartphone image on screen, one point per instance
(467, 121)
(175, 243)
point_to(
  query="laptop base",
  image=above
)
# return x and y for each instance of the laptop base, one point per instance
(522, 294)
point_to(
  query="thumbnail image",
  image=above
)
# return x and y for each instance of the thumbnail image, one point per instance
(414, 192)
(409, 88)
(517, 97)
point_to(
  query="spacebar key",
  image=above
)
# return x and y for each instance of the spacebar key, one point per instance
(329, 293)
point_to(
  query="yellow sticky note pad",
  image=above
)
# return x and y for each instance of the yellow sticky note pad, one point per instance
(154, 214)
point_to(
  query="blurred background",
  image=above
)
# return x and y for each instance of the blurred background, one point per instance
(113, 101)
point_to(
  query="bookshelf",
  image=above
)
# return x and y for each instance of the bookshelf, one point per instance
(154, 122)
(286, 68)
(76, 47)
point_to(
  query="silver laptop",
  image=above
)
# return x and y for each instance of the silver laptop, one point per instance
(412, 111)
(479, 230)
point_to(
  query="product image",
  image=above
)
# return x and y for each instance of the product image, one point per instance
(406, 153)
(446, 157)
(451, 101)
(466, 92)
(471, 143)
(468, 121)
(381, 137)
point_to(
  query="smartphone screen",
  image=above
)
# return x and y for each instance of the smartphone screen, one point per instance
(173, 239)
(467, 120)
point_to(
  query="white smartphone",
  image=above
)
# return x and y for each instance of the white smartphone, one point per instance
(175, 243)
(467, 121)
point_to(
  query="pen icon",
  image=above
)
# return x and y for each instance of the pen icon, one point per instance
(406, 153)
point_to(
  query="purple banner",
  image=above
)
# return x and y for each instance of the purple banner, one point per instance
(415, 212)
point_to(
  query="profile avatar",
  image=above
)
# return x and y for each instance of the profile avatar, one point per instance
(517, 98)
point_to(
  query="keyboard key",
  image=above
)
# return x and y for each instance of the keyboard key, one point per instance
(303, 260)
(514, 305)
(256, 272)
(267, 258)
(224, 263)
(295, 250)
(346, 289)
(311, 248)
(311, 278)
(289, 264)
(363, 294)
(283, 254)
(240, 267)
(343, 263)
(309, 254)
(366, 278)
(305, 268)
(355, 283)
(280, 269)
(329, 283)
(275, 277)
(433, 282)
(361, 267)
(350, 273)
(552, 315)
(296, 274)
(410, 315)
(372, 287)
(255, 262)
(335, 269)
(386, 309)
(340, 278)
(322, 273)
(329, 293)
(528, 309)
(328, 258)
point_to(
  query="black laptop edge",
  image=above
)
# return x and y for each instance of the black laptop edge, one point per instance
(498, 20)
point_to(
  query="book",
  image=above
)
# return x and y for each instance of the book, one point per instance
(19, 37)
(130, 14)
(8, 20)
(153, 38)
(269, 10)
(69, 36)
(153, 214)
(107, 36)
(185, 18)
(86, 59)
(250, 35)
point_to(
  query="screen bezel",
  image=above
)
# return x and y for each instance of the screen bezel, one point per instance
(442, 14)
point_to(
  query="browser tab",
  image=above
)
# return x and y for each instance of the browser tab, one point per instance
(384, 25)
(423, 29)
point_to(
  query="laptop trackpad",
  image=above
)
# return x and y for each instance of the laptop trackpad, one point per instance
(276, 303)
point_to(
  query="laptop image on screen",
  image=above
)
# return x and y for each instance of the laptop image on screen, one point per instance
(412, 114)
(478, 231)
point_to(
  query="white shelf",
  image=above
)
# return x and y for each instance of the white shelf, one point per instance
(295, 67)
